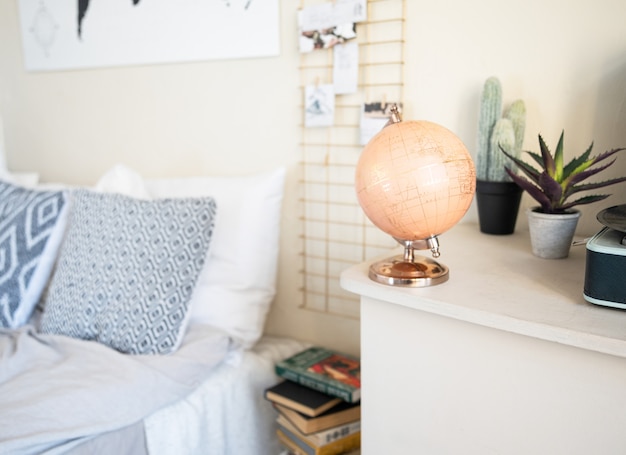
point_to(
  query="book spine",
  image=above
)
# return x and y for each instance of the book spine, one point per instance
(315, 383)
(341, 445)
(301, 445)
(327, 436)
(291, 445)
(336, 447)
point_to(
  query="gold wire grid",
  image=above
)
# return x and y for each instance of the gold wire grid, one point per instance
(335, 232)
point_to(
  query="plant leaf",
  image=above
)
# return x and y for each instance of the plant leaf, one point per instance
(583, 175)
(531, 172)
(596, 159)
(595, 185)
(558, 159)
(569, 168)
(536, 158)
(533, 190)
(604, 155)
(548, 161)
(584, 200)
(552, 189)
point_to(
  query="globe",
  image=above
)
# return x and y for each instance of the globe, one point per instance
(414, 181)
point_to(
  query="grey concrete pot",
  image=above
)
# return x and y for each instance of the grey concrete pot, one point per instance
(551, 235)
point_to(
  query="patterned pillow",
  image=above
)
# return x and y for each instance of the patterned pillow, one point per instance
(32, 224)
(127, 270)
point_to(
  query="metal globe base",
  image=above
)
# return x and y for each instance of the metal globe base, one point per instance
(410, 270)
(422, 272)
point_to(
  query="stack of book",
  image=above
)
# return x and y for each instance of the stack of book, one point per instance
(318, 402)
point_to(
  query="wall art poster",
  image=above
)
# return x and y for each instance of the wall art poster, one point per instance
(58, 35)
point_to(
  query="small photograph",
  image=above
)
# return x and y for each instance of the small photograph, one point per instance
(379, 109)
(319, 105)
(374, 117)
(326, 38)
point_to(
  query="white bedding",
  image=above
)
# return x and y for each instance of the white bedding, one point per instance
(57, 392)
(61, 395)
(227, 414)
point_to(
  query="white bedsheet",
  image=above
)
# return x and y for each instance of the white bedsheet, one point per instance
(227, 414)
(57, 392)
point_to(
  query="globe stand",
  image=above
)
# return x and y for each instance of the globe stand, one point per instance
(410, 270)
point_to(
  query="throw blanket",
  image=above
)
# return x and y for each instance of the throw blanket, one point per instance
(57, 392)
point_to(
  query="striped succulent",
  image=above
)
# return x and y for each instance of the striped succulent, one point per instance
(554, 183)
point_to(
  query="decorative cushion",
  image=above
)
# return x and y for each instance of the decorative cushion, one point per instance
(238, 282)
(127, 270)
(32, 224)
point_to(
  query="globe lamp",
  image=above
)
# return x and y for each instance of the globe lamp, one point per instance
(414, 181)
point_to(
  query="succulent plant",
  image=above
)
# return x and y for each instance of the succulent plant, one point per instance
(554, 183)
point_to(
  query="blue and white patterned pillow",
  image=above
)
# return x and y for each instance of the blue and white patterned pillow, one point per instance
(32, 224)
(127, 270)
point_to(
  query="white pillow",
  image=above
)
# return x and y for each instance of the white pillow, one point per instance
(123, 180)
(238, 282)
(26, 179)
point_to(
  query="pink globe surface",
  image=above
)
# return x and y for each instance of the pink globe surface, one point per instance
(415, 180)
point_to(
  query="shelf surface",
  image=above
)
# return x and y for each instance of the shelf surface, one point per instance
(496, 281)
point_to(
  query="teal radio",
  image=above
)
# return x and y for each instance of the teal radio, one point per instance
(605, 267)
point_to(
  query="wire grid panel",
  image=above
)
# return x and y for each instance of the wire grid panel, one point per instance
(335, 232)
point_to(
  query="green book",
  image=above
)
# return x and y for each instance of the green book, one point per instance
(325, 370)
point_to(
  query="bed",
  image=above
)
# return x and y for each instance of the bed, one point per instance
(131, 315)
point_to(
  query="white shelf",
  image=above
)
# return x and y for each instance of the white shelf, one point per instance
(495, 281)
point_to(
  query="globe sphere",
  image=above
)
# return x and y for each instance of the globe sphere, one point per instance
(415, 180)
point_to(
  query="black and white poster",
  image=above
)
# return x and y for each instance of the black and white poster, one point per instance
(69, 34)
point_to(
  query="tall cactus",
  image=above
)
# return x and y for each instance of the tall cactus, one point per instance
(490, 112)
(503, 135)
(494, 131)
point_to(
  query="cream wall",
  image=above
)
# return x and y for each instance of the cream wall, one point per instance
(568, 62)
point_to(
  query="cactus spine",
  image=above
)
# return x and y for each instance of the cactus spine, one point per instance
(495, 130)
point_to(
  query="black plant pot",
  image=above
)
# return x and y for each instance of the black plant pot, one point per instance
(498, 205)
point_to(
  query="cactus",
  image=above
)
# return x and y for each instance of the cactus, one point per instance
(504, 135)
(516, 112)
(490, 111)
(494, 131)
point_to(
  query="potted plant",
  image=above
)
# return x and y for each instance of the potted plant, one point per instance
(497, 196)
(552, 185)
